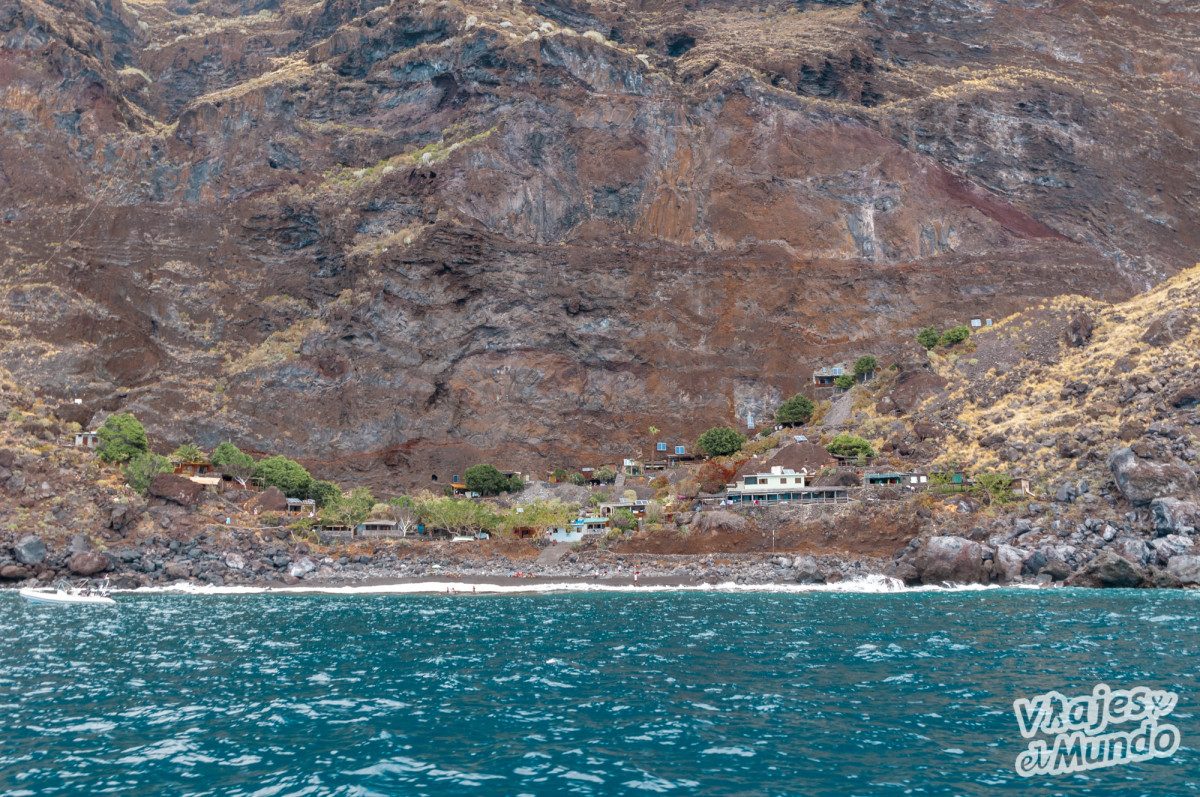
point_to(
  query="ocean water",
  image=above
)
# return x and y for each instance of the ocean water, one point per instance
(589, 693)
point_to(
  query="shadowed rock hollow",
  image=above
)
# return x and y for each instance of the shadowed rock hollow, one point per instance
(399, 238)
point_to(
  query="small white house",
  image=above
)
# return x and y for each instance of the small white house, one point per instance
(87, 439)
(777, 479)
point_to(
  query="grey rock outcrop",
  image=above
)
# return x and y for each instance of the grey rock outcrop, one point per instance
(1109, 570)
(30, 550)
(952, 560)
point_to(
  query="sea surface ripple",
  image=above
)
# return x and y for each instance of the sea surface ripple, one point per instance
(591, 694)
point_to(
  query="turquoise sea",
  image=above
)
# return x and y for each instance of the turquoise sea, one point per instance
(591, 693)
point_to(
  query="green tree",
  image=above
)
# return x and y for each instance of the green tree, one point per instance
(456, 515)
(848, 445)
(286, 474)
(796, 410)
(233, 462)
(720, 441)
(955, 335)
(188, 452)
(122, 437)
(606, 474)
(142, 469)
(865, 365)
(624, 519)
(349, 509)
(538, 515)
(486, 480)
(516, 484)
(323, 492)
(228, 454)
(928, 337)
(844, 382)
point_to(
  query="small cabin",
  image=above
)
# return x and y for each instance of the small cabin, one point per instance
(87, 439)
(376, 528)
(590, 525)
(827, 376)
(632, 467)
(301, 506)
(638, 508)
(197, 468)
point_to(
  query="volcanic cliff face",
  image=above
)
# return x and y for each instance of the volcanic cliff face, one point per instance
(399, 238)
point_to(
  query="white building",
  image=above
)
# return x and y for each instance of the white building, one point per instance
(781, 484)
(87, 439)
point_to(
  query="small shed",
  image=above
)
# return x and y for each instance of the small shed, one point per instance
(87, 439)
(825, 377)
(301, 506)
(198, 467)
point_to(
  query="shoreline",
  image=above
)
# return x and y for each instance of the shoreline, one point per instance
(873, 584)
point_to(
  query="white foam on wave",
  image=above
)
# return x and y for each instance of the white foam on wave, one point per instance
(870, 584)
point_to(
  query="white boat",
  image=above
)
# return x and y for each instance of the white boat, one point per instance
(68, 594)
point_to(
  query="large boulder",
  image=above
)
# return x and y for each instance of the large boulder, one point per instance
(15, 572)
(1143, 480)
(1133, 549)
(88, 563)
(806, 570)
(29, 550)
(271, 499)
(1186, 569)
(1172, 516)
(176, 489)
(718, 520)
(301, 568)
(1009, 562)
(1170, 546)
(1109, 570)
(952, 560)
(1051, 560)
(177, 569)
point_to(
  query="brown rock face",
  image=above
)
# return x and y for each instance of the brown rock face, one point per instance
(395, 239)
(271, 499)
(176, 489)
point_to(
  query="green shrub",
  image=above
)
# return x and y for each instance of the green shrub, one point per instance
(286, 474)
(487, 480)
(323, 492)
(142, 469)
(720, 441)
(606, 474)
(865, 365)
(997, 487)
(624, 519)
(955, 335)
(796, 410)
(844, 382)
(848, 445)
(122, 437)
(928, 337)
